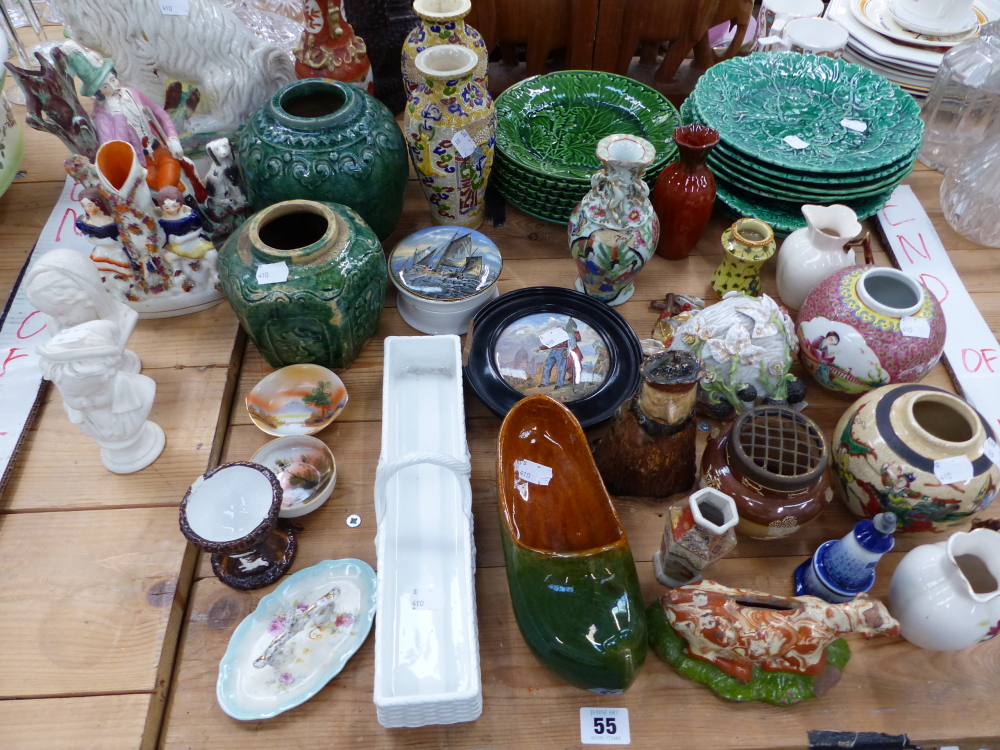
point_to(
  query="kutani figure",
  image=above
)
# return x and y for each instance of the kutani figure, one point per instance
(562, 357)
(114, 264)
(187, 249)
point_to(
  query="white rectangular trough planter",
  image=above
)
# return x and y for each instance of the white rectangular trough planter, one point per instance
(426, 637)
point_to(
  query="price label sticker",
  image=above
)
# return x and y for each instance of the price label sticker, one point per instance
(795, 142)
(992, 450)
(856, 125)
(69, 335)
(463, 143)
(917, 328)
(604, 726)
(174, 7)
(272, 273)
(553, 337)
(953, 470)
(767, 41)
(529, 471)
(426, 597)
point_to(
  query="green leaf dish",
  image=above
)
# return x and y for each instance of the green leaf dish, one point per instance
(551, 124)
(790, 192)
(777, 688)
(755, 102)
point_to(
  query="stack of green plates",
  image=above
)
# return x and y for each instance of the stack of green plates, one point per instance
(797, 129)
(548, 128)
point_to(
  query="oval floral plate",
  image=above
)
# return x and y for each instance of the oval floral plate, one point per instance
(315, 655)
(552, 123)
(756, 102)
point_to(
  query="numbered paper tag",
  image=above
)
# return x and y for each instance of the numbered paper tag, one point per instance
(463, 143)
(272, 273)
(604, 726)
(174, 7)
(918, 328)
(426, 597)
(529, 471)
(795, 142)
(553, 337)
(953, 470)
(69, 335)
(855, 125)
(992, 450)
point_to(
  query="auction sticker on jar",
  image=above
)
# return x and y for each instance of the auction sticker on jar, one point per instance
(604, 726)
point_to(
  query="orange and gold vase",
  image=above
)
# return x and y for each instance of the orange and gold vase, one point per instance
(329, 49)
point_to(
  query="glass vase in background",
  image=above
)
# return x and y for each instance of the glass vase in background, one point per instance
(970, 193)
(964, 102)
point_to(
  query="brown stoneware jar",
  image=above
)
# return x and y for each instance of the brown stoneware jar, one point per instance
(685, 192)
(772, 461)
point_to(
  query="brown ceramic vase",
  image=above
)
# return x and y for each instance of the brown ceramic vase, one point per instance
(649, 450)
(772, 461)
(685, 192)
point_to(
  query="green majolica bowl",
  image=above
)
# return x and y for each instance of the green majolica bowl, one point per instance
(776, 190)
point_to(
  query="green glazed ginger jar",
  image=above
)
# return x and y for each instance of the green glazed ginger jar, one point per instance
(329, 305)
(324, 140)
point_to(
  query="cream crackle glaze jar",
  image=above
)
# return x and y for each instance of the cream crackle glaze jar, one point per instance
(450, 127)
(614, 230)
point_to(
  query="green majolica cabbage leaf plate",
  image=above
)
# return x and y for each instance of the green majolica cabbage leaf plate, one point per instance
(755, 102)
(551, 123)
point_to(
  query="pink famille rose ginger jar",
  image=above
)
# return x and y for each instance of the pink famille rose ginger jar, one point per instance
(864, 327)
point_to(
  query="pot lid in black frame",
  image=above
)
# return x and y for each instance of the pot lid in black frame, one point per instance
(524, 340)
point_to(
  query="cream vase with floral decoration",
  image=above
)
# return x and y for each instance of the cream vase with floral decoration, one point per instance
(442, 22)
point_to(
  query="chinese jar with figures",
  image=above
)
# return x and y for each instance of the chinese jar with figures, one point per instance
(307, 281)
(887, 453)
(863, 327)
(613, 231)
(324, 140)
(442, 22)
(450, 127)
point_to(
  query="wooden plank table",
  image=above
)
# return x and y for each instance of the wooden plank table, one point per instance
(96, 581)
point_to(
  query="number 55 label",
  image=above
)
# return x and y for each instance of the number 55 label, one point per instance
(604, 726)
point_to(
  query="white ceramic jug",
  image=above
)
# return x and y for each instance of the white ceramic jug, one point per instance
(810, 254)
(946, 596)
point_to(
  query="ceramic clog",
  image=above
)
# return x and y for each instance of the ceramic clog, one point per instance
(572, 579)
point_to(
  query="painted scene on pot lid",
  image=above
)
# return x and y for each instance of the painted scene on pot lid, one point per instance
(445, 263)
(558, 355)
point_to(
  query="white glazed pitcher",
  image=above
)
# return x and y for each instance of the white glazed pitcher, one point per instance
(946, 596)
(810, 254)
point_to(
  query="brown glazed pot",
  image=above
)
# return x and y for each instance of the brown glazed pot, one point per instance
(772, 461)
(649, 450)
(685, 192)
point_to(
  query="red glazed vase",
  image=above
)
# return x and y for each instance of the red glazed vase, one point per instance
(685, 192)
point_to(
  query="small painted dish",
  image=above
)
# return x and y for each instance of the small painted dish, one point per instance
(297, 400)
(310, 658)
(306, 470)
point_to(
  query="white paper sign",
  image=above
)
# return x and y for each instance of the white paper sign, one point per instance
(272, 273)
(992, 450)
(604, 726)
(529, 471)
(553, 337)
(915, 327)
(463, 143)
(426, 597)
(855, 125)
(953, 470)
(174, 7)
(970, 348)
(795, 142)
(69, 335)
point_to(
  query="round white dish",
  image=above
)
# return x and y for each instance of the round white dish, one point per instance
(947, 26)
(875, 15)
(305, 468)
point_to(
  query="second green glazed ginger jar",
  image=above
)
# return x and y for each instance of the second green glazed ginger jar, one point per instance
(329, 305)
(324, 140)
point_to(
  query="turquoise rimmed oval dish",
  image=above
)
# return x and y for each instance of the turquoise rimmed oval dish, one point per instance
(313, 656)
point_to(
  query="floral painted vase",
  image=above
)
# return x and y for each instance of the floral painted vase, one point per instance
(325, 140)
(450, 127)
(442, 22)
(328, 47)
(685, 192)
(864, 327)
(613, 231)
(746, 245)
(886, 447)
(307, 281)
